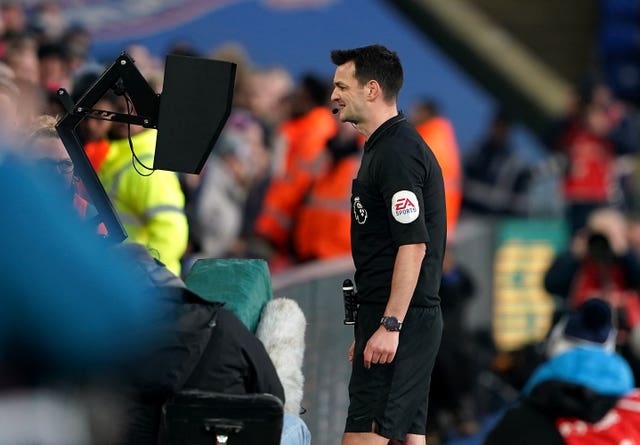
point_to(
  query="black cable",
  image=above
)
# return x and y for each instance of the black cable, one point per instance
(134, 157)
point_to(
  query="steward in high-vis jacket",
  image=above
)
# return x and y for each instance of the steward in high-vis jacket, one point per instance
(438, 132)
(151, 208)
(305, 138)
(323, 223)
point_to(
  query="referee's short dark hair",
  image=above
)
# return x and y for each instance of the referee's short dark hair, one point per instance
(374, 62)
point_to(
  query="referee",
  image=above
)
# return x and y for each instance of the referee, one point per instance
(398, 236)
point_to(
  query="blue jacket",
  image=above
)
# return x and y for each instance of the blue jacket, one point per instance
(603, 372)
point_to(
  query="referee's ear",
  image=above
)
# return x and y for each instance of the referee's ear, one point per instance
(372, 90)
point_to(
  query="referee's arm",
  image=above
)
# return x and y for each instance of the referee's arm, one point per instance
(381, 347)
(405, 278)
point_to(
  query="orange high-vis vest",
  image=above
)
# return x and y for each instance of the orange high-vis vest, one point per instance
(322, 227)
(439, 135)
(96, 152)
(305, 158)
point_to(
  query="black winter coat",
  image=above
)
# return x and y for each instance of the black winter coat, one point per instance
(200, 345)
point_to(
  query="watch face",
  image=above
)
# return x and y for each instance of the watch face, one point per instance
(391, 323)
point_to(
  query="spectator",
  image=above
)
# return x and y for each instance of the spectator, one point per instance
(269, 91)
(203, 346)
(150, 205)
(220, 198)
(45, 149)
(21, 55)
(55, 72)
(583, 140)
(438, 133)
(149, 65)
(599, 262)
(496, 180)
(256, 135)
(583, 394)
(77, 41)
(48, 21)
(94, 133)
(305, 138)
(269, 102)
(32, 103)
(13, 16)
(322, 225)
(236, 53)
(232, 179)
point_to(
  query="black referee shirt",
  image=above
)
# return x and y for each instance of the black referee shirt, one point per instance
(397, 198)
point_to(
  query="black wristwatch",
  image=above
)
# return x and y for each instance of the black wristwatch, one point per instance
(391, 323)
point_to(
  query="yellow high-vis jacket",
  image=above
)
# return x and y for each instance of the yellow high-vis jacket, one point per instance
(151, 208)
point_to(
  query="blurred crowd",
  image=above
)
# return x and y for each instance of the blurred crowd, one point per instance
(277, 183)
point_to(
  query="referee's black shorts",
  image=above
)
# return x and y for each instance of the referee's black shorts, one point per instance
(392, 399)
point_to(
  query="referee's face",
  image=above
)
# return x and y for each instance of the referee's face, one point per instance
(348, 94)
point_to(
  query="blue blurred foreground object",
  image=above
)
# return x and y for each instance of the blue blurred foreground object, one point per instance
(68, 303)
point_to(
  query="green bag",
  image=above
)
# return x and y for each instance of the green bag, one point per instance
(243, 285)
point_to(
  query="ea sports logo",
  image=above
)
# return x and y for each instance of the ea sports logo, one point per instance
(405, 207)
(403, 203)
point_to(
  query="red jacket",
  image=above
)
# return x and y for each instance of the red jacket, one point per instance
(620, 426)
(591, 166)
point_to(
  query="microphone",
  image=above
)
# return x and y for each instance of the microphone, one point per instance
(335, 110)
(350, 302)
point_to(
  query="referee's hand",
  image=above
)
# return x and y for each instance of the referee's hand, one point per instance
(381, 347)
